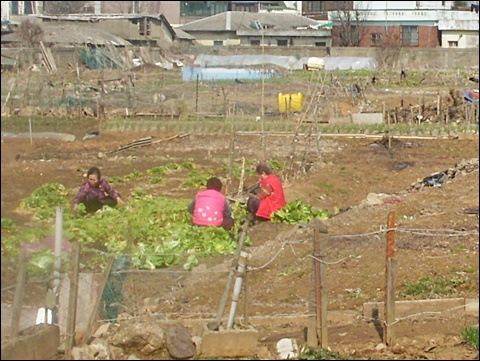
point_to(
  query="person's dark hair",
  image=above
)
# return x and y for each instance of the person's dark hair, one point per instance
(214, 183)
(94, 170)
(263, 168)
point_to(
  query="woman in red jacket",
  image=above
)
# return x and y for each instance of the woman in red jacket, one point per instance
(271, 197)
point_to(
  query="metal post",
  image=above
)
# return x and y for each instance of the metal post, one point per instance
(58, 261)
(242, 264)
(390, 282)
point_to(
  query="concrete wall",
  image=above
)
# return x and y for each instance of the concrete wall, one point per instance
(129, 29)
(398, 58)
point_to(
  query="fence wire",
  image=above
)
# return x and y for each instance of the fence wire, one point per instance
(174, 293)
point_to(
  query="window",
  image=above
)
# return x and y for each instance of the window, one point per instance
(22, 7)
(282, 42)
(376, 39)
(313, 6)
(255, 42)
(15, 8)
(202, 8)
(320, 43)
(218, 43)
(145, 26)
(409, 35)
(453, 44)
(28, 7)
(252, 8)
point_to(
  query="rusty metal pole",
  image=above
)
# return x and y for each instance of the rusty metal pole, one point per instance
(390, 274)
(320, 283)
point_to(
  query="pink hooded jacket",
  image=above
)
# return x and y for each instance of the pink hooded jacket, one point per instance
(209, 207)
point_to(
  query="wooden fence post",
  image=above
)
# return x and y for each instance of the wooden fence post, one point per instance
(19, 290)
(72, 303)
(320, 275)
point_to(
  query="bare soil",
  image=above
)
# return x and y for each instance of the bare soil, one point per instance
(436, 237)
(345, 173)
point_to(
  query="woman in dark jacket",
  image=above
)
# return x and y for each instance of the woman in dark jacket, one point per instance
(96, 192)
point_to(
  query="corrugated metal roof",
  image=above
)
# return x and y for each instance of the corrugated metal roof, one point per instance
(182, 34)
(287, 32)
(97, 17)
(93, 18)
(71, 33)
(238, 20)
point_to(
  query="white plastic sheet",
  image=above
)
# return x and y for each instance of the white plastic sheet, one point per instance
(287, 62)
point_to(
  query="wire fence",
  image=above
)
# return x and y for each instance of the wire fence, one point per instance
(160, 95)
(122, 292)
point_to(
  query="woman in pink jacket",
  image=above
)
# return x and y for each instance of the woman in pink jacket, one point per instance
(271, 197)
(210, 207)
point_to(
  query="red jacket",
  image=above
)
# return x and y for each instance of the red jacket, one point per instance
(272, 197)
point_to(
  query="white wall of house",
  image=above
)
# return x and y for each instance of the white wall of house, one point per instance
(402, 5)
(459, 39)
(5, 10)
(432, 16)
(225, 42)
(459, 33)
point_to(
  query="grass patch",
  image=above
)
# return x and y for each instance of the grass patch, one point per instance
(433, 287)
(311, 354)
(470, 335)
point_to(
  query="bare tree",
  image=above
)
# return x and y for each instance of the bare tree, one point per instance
(64, 7)
(390, 49)
(31, 33)
(348, 29)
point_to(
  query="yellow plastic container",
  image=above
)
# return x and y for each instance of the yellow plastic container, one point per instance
(290, 102)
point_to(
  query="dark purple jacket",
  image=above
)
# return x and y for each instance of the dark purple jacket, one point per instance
(103, 190)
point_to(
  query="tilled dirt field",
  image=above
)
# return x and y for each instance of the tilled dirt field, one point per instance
(436, 237)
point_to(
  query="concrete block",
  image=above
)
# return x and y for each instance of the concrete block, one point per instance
(340, 120)
(229, 343)
(18, 349)
(367, 118)
(471, 306)
(39, 342)
(88, 292)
